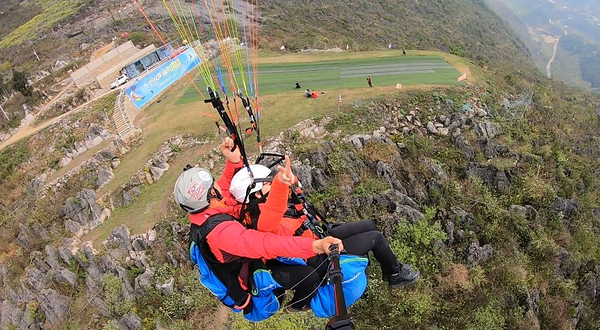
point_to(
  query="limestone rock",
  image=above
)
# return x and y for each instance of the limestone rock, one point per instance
(167, 287)
(172, 260)
(528, 211)
(477, 255)
(489, 175)
(4, 273)
(54, 305)
(578, 313)
(38, 183)
(52, 257)
(74, 228)
(533, 300)
(359, 140)
(568, 265)
(433, 167)
(83, 209)
(493, 150)
(157, 169)
(64, 275)
(431, 128)
(130, 321)
(139, 258)
(36, 279)
(10, 314)
(26, 237)
(105, 175)
(144, 281)
(592, 284)
(139, 244)
(115, 162)
(464, 146)
(488, 130)
(119, 238)
(568, 207)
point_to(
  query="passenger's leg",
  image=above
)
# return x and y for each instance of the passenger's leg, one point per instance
(362, 243)
(348, 229)
(303, 279)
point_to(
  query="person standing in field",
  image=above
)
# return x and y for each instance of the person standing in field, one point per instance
(369, 81)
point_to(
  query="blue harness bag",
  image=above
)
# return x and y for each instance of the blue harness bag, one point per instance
(222, 279)
(354, 285)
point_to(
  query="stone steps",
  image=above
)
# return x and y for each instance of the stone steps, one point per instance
(124, 128)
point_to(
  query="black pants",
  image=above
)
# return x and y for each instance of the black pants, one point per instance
(304, 280)
(358, 238)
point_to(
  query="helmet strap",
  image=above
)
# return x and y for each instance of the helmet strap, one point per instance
(214, 192)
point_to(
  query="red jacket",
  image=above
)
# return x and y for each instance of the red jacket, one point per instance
(231, 240)
(272, 212)
(225, 181)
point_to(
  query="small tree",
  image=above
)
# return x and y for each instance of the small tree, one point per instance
(20, 83)
(138, 37)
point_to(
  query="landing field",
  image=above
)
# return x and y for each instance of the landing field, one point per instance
(335, 74)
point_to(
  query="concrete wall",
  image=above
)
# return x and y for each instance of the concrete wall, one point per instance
(87, 74)
(106, 77)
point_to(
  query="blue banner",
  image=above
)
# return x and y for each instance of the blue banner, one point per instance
(151, 85)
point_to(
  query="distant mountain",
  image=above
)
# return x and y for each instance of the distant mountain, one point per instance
(575, 22)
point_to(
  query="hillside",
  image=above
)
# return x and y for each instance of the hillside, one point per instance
(490, 188)
(465, 27)
(498, 213)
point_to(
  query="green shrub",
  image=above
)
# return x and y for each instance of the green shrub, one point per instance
(176, 306)
(417, 306)
(541, 247)
(111, 325)
(279, 321)
(164, 272)
(113, 295)
(370, 185)
(11, 158)
(488, 317)
(200, 297)
(138, 37)
(414, 243)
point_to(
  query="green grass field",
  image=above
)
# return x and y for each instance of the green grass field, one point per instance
(275, 78)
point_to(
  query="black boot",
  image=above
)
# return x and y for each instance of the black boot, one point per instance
(405, 276)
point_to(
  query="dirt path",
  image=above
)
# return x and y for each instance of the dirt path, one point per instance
(103, 50)
(549, 65)
(49, 104)
(29, 129)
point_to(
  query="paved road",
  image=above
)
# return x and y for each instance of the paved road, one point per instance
(549, 65)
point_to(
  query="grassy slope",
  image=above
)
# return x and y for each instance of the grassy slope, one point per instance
(54, 13)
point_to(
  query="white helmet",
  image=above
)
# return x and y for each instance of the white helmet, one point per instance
(241, 180)
(192, 188)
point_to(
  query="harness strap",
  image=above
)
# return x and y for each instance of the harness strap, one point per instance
(227, 273)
